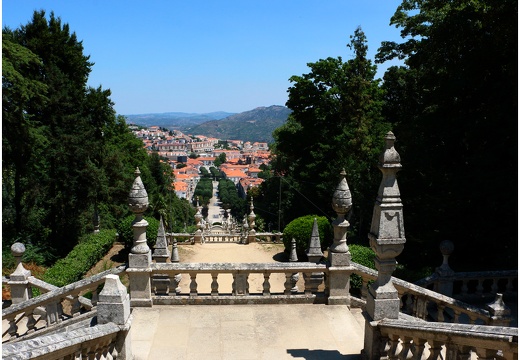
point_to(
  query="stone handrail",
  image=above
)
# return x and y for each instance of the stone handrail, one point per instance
(97, 342)
(269, 237)
(221, 238)
(415, 301)
(30, 312)
(476, 283)
(165, 280)
(420, 340)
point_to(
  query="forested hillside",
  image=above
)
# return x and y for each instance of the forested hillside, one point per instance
(66, 155)
(253, 125)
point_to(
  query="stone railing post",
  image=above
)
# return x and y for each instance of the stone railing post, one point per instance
(251, 238)
(161, 254)
(18, 280)
(387, 239)
(198, 217)
(339, 255)
(114, 306)
(444, 283)
(140, 257)
(314, 255)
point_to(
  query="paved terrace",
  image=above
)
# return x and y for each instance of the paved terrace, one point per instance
(309, 331)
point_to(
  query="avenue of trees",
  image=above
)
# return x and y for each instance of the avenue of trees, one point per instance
(453, 108)
(66, 154)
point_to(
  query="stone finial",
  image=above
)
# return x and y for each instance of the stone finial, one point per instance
(446, 247)
(314, 253)
(342, 198)
(175, 251)
(500, 312)
(198, 216)
(294, 256)
(161, 252)
(341, 203)
(18, 249)
(252, 216)
(138, 197)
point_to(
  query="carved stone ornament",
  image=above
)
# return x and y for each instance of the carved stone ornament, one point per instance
(342, 198)
(138, 197)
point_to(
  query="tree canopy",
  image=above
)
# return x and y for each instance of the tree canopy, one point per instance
(335, 123)
(67, 156)
(454, 111)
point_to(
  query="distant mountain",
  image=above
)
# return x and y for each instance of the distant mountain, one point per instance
(253, 125)
(175, 120)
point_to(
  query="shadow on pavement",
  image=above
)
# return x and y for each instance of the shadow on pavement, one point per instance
(320, 354)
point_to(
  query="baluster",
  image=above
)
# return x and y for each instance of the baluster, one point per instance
(294, 280)
(95, 296)
(77, 355)
(75, 305)
(193, 284)
(472, 319)
(464, 288)
(13, 328)
(234, 284)
(424, 309)
(52, 313)
(175, 289)
(266, 284)
(31, 321)
(409, 304)
(384, 347)
(452, 351)
(480, 287)
(494, 286)
(435, 350)
(463, 352)
(214, 284)
(287, 284)
(456, 315)
(418, 348)
(364, 288)
(114, 352)
(393, 352)
(485, 354)
(406, 350)
(440, 313)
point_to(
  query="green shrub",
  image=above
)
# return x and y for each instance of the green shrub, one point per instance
(362, 255)
(126, 232)
(301, 230)
(90, 249)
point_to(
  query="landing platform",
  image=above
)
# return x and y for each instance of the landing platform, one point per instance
(234, 332)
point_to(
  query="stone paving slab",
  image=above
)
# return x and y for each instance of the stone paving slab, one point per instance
(308, 331)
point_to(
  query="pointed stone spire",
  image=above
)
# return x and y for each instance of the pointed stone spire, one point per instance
(314, 253)
(161, 252)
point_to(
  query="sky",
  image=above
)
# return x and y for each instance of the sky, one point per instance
(200, 56)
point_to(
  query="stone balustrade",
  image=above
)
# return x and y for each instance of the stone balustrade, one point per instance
(423, 340)
(240, 292)
(55, 307)
(98, 342)
(221, 238)
(426, 304)
(182, 238)
(484, 283)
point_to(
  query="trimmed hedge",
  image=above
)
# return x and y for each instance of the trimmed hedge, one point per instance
(126, 232)
(90, 249)
(301, 230)
(362, 255)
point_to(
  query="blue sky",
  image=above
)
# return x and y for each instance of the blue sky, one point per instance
(203, 56)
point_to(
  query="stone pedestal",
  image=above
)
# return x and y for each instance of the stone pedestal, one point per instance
(18, 280)
(114, 306)
(139, 272)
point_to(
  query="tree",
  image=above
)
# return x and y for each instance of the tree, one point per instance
(335, 123)
(221, 159)
(454, 110)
